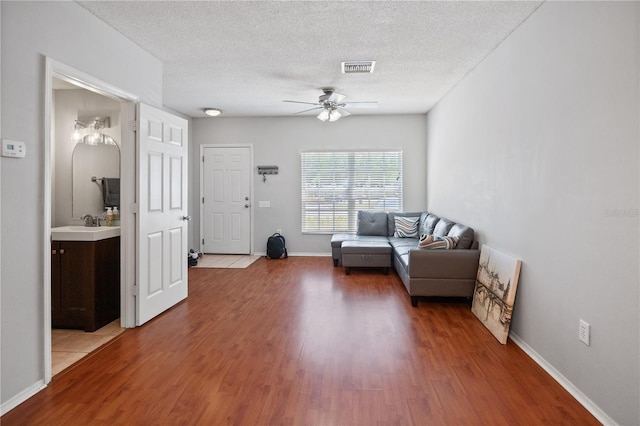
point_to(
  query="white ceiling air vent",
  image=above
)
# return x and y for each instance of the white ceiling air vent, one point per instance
(349, 67)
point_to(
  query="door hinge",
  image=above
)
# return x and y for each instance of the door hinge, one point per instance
(203, 158)
(203, 241)
(133, 125)
(202, 200)
(133, 290)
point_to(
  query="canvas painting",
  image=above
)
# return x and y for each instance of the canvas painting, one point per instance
(495, 292)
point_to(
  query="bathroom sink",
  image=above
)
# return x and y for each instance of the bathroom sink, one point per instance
(84, 233)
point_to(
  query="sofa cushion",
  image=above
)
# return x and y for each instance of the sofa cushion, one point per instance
(443, 227)
(397, 243)
(337, 239)
(465, 235)
(366, 247)
(402, 250)
(391, 221)
(372, 223)
(428, 224)
(406, 227)
(404, 261)
(435, 242)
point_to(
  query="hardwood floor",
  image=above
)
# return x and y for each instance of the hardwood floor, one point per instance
(296, 341)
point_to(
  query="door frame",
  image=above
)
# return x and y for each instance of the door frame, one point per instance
(128, 101)
(251, 191)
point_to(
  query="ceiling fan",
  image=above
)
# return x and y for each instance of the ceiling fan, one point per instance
(332, 107)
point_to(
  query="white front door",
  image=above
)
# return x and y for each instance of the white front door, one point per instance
(226, 204)
(162, 212)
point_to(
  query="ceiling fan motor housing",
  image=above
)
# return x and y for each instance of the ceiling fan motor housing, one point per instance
(330, 97)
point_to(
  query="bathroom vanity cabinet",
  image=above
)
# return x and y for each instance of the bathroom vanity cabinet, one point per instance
(85, 283)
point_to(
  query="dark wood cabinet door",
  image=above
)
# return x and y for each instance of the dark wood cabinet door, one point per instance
(76, 276)
(85, 283)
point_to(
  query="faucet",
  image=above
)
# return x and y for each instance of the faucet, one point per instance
(90, 221)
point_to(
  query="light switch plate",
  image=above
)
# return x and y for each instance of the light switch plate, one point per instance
(264, 204)
(13, 149)
(584, 332)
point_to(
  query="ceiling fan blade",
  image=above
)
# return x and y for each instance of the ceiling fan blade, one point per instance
(307, 110)
(336, 97)
(300, 102)
(343, 112)
(372, 104)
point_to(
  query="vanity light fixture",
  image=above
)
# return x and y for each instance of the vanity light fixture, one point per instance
(212, 112)
(86, 130)
(76, 136)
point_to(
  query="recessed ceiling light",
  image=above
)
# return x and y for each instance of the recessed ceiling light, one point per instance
(213, 112)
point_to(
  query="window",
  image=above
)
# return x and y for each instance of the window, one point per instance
(335, 185)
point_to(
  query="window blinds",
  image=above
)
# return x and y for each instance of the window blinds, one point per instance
(335, 185)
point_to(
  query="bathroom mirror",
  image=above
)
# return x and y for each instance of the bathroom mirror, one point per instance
(102, 160)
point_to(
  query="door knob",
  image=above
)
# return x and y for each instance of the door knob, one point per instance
(246, 206)
(246, 198)
(187, 218)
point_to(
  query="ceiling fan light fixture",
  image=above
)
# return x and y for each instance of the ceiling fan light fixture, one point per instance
(212, 112)
(350, 67)
(324, 115)
(334, 115)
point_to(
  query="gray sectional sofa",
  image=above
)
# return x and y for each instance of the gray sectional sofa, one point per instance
(424, 272)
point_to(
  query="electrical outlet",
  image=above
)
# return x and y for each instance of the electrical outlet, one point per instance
(584, 332)
(279, 231)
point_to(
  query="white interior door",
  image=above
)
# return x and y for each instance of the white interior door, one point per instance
(226, 204)
(162, 212)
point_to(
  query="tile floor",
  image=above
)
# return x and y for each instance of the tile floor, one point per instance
(226, 260)
(69, 346)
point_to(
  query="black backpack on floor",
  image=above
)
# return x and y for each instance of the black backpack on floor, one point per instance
(275, 247)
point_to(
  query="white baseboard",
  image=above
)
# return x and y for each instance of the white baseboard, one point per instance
(600, 415)
(22, 397)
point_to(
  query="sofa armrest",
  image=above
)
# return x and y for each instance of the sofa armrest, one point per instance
(454, 264)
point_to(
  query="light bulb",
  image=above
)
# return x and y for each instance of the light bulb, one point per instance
(324, 115)
(213, 112)
(76, 136)
(334, 115)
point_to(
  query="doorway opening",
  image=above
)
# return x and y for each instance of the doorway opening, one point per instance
(86, 139)
(85, 113)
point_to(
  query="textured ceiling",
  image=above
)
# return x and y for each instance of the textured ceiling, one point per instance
(247, 57)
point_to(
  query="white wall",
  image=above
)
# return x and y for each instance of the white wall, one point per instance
(69, 34)
(278, 141)
(538, 150)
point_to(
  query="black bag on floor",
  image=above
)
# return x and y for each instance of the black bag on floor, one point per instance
(275, 247)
